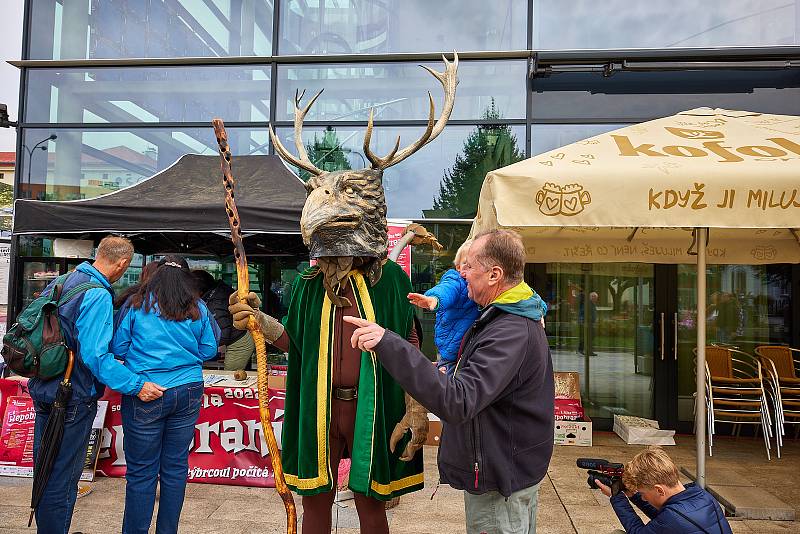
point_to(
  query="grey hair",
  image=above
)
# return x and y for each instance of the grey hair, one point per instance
(503, 248)
(114, 248)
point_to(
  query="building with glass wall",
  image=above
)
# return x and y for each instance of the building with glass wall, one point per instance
(117, 90)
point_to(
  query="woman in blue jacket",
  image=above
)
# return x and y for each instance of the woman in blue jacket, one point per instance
(164, 334)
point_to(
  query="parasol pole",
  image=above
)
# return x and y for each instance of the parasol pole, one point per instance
(243, 278)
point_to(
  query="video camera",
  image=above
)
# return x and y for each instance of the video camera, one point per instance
(608, 473)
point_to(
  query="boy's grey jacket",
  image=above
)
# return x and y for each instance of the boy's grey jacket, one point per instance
(496, 410)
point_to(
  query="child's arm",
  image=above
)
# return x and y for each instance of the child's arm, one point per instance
(421, 301)
(448, 290)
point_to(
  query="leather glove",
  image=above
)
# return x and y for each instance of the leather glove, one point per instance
(416, 420)
(241, 312)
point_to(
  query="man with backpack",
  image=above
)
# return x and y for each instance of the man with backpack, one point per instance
(86, 322)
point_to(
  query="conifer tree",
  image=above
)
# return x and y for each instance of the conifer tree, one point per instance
(326, 153)
(488, 147)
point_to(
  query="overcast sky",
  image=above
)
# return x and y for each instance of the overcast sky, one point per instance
(10, 48)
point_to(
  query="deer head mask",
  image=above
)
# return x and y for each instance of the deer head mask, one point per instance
(344, 217)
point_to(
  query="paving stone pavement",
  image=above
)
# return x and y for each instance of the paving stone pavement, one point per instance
(566, 504)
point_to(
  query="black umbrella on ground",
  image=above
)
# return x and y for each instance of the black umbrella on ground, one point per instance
(51, 439)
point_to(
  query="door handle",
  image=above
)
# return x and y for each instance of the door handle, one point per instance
(675, 338)
(661, 323)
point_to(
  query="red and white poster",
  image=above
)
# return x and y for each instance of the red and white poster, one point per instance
(228, 447)
(16, 437)
(395, 233)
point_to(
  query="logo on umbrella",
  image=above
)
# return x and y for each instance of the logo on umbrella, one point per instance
(568, 200)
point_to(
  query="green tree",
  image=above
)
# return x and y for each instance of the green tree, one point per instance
(326, 153)
(6, 196)
(488, 147)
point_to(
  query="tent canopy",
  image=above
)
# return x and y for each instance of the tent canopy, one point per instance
(633, 194)
(181, 209)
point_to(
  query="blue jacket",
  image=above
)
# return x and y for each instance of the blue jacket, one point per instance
(693, 502)
(455, 313)
(169, 353)
(86, 322)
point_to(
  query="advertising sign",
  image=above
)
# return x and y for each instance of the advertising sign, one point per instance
(228, 446)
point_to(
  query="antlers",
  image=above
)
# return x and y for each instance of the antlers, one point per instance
(447, 79)
(299, 116)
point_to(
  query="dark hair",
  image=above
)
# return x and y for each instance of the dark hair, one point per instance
(204, 280)
(172, 288)
(146, 274)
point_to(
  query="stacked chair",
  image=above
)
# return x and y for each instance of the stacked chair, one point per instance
(735, 392)
(781, 364)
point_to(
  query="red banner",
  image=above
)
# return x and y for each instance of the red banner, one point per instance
(228, 446)
(404, 260)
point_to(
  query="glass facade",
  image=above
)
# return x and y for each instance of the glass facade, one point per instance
(109, 29)
(126, 87)
(664, 23)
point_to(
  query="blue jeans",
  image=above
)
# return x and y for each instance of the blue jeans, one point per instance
(491, 513)
(157, 435)
(54, 513)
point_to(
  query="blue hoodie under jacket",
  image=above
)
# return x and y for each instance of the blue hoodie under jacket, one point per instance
(691, 511)
(87, 325)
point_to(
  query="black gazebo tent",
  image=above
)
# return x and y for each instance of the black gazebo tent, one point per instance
(181, 210)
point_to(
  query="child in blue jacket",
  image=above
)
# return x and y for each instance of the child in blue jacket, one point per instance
(455, 312)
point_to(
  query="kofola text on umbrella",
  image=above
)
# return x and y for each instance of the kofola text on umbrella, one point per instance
(726, 154)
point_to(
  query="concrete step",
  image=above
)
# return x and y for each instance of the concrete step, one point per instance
(742, 499)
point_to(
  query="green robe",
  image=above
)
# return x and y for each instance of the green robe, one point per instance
(374, 471)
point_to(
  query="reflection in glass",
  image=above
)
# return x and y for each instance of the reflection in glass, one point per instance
(373, 26)
(91, 29)
(414, 184)
(665, 24)
(746, 306)
(400, 91)
(637, 96)
(546, 137)
(88, 163)
(173, 94)
(600, 324)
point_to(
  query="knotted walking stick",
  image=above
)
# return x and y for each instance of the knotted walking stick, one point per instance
(243, 289)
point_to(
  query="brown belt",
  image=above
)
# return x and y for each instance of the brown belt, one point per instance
(345, 394)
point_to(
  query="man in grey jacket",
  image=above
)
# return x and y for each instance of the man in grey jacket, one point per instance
(497, 408)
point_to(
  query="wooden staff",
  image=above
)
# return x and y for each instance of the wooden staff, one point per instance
(243, 278)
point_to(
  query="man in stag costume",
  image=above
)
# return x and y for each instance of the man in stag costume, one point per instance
(340, 402)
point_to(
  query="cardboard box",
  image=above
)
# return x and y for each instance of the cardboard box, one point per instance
(434, 430)
(573, 433)
(567, 386)
(640, 431)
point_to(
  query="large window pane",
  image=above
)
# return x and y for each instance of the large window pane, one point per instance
(546, 137)
(173, 94)
(643, 95)
(89, 29)
(442, 180)
(400, 91)
(664, 23)
(88, 163)
(379, 26)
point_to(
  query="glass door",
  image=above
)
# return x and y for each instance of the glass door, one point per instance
(747, 306)
(35, 277)
(601, 324)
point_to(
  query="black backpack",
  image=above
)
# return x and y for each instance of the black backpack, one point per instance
(34, 346)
